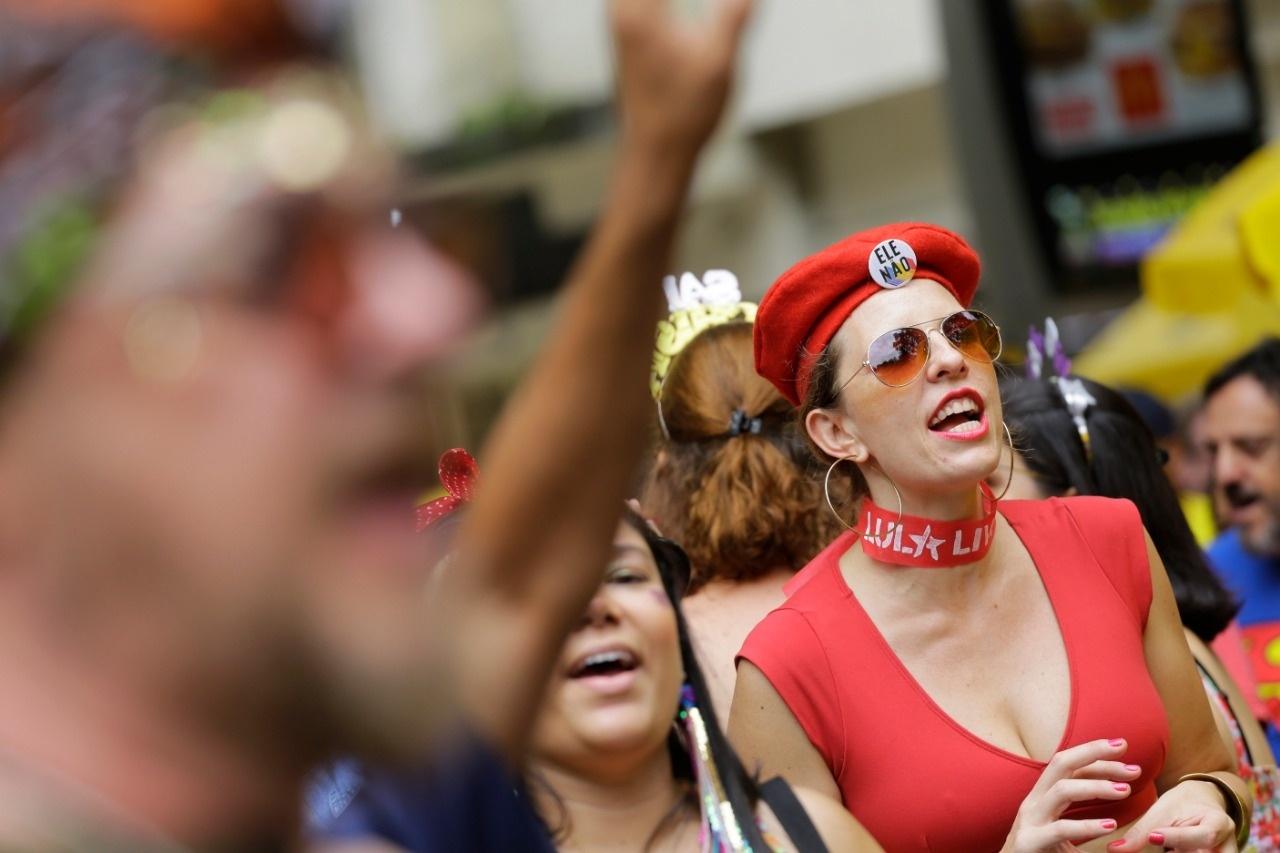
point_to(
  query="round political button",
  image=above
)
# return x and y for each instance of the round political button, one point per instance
(892, 263)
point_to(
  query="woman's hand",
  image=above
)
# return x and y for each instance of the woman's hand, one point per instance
(674, 77)
(1188, 816)
(1090, 771)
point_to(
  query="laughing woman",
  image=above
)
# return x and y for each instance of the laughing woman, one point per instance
(626, 753)
(944, 666)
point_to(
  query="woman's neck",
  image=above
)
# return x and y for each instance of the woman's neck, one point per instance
(766, 583)
(616, 810)
(943, 505)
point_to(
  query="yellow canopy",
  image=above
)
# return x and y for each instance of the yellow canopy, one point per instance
(1172, 353)
(1211, 290)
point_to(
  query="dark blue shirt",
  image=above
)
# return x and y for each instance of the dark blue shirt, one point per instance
(469, 801)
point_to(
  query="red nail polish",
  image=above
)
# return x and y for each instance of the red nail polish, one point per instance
(1116, 741)
(1120, 786)
(1117, 843)
(1109, 824)
(1156, 838)
(1133, 768)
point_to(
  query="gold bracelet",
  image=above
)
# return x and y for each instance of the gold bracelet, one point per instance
(1237, 809)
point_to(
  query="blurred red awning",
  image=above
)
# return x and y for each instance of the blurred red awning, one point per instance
(232, 28)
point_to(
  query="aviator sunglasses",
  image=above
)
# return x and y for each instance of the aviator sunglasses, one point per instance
(898, 356)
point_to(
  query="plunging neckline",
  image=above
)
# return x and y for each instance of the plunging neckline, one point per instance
(1051, 592)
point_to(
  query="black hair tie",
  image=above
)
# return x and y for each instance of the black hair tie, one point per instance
(741, 423)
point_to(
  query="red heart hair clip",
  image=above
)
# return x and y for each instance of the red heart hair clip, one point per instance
(458, 474)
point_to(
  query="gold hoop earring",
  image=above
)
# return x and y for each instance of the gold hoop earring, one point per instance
(826, 492)
(1008, 480)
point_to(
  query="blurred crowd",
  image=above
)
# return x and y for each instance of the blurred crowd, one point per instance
(817, 574)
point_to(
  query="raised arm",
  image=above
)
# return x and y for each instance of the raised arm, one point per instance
(563, 454)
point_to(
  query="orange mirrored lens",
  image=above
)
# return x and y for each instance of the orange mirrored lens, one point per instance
(974, 334)
(898, 356)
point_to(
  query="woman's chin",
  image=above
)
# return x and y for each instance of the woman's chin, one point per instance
(961, 464)
(615, 732)
(955, 475)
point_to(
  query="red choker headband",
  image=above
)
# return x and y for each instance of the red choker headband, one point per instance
(926, 543)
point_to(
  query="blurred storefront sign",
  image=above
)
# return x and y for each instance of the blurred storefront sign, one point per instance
(1123, 114)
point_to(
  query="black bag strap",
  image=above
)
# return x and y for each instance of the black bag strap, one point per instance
(1208, 676)
(794, 819)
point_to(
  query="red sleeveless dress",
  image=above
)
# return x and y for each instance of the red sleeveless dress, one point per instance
(913, 776)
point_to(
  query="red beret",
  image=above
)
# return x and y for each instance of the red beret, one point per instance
(809, 303)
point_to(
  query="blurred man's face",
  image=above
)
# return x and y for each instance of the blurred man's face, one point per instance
(221, 488)
(1241, 432)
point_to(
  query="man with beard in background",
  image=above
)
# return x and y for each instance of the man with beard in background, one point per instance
(1241, 433)
(211, 437)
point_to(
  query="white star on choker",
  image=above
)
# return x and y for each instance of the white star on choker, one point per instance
(926, 540)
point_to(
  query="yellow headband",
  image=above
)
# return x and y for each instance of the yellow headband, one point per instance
(695, 305)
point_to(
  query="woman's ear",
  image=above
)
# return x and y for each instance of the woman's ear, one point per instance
(834, 435)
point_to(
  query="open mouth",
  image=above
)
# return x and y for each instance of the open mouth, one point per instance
(1239, 499)
(399, 472)
(391, 477)
(605, 663)
(959, 413)
(370, 503)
